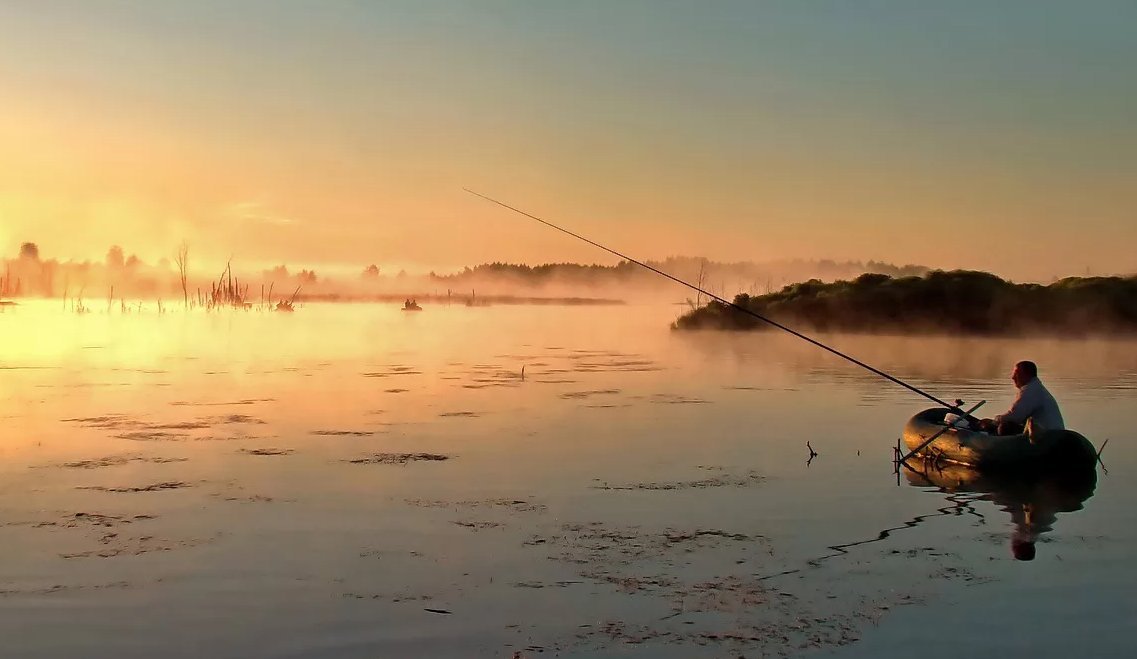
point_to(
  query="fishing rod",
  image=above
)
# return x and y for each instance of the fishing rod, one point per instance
(736, 307)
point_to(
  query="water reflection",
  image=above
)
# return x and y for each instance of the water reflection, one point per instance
(1032, 500)
(603, 474)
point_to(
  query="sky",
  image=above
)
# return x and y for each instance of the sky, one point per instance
(969, 134)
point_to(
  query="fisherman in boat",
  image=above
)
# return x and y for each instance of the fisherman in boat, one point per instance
(1033, 403)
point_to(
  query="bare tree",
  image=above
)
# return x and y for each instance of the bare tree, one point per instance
(701, 280)
(182, 259)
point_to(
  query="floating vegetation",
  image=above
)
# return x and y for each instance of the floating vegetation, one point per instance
(114, 461)
(634, 584)
(267, 451)
(395, 598)
(112, 421)
(601, 361)
(235, 418)
(392, 371)
(749, 479)
(607, 367)
(589, 394)
(479, 526)
(111, 535)
(161, 431)
(399, 458)
(395, 391)
(153, 436)
(83, 385)
(343, 433)
(252, 498)
(245, 401)
(134, 547)
(485, 384)
(179, 425)
(482, 376)
(63, 588)
(733, 609)
(546, 584)
(514, 505)
(598, 544)
(83, 519)
(156, 487)
(675, 399)
(459, 414)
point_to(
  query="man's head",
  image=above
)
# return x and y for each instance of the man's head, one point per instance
(1024, 372)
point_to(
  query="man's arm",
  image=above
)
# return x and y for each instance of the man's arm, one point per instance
(1021, 409)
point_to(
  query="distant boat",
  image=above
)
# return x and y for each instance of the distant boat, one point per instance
(411, 305)
(284, 306)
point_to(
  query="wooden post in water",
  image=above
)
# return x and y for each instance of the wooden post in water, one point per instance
(896, 457)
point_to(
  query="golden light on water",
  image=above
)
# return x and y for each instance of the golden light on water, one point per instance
(535, 463)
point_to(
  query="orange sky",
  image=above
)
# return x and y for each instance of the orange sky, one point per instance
(315, 135)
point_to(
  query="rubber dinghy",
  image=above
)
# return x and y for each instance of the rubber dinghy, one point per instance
(1065, 491)
(1046, 449)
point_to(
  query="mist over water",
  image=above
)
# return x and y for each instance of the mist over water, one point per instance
(353, 480)
(121, 279)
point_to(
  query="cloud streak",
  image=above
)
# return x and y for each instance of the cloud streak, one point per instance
(258, 213)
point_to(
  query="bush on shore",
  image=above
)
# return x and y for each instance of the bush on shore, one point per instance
(946, 302)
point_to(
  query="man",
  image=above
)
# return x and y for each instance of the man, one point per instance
(1033, 403)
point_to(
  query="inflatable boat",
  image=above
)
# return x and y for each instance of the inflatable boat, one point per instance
(1042, 450)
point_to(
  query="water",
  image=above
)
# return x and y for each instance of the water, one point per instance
(271, 485)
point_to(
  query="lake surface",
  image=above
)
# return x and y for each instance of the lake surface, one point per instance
(357, 481)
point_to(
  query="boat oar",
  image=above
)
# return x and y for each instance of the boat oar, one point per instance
(950, 426)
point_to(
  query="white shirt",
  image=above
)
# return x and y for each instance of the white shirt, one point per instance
(1034, 402)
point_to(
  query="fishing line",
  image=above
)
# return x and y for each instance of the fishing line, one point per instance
(736, 307)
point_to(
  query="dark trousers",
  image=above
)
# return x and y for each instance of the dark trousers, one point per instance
(1011, 428)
